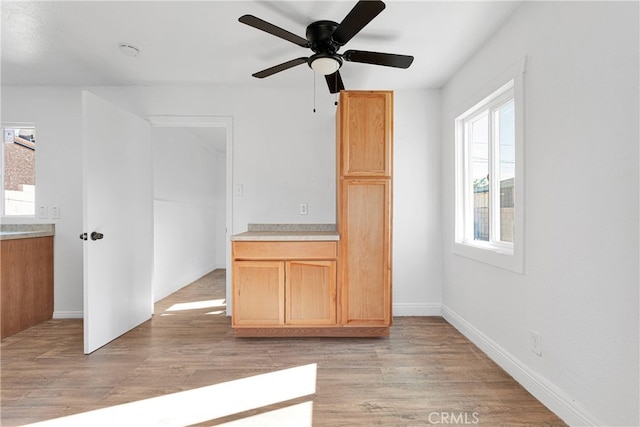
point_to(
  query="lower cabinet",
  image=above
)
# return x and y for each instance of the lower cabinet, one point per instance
(292, 288)
(26, 283)
(285, 288)
(284, 293)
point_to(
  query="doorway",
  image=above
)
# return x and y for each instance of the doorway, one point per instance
(192, 199)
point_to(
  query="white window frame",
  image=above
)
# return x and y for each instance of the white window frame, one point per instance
(495, 252)
(11, 125)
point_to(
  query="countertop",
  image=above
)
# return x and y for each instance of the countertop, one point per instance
(25, 231)
(288, 232)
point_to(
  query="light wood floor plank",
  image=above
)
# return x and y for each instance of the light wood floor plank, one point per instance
(426, 366)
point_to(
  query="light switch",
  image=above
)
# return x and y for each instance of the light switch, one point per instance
(42, 212)
(55, 212)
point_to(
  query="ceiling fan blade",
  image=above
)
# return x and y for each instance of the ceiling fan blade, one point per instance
(265, 26)
(280, 67)
(334, 81)
(361, 14)
(377, 58)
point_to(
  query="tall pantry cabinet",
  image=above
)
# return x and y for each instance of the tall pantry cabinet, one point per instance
(364, 207)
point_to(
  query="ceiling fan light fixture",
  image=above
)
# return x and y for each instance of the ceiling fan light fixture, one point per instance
(326, 65)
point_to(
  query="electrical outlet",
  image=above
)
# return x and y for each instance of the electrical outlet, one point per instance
(42, 212)
(304, 209)
(535, 342)
(55, 212)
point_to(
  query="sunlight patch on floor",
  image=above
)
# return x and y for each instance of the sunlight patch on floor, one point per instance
(196, 305)
(299, 415)
(212, 402)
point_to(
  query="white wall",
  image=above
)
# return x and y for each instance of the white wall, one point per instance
(417, 235)
(283, 152)
(580, 286)
(57, 114)
(185, 171)
(283, 155)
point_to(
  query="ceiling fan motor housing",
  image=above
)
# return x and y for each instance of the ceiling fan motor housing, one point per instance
(320, 41)
(319, 35)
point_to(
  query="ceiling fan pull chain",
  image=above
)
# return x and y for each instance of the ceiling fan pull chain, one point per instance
(314, 92)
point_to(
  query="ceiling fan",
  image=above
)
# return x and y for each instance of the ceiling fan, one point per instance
(325, 38)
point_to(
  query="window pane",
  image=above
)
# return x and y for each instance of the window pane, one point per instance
(507, 161)
(479, 145)
(19, 171)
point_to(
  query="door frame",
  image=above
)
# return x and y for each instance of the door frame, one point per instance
(212, 122)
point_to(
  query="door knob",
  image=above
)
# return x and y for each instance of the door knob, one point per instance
(83, 236)
(96, 236)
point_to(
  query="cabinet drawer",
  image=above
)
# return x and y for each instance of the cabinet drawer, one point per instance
(284, 250)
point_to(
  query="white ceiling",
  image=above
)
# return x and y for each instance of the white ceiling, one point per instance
(202, 42)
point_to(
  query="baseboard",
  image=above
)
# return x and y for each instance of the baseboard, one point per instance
(68, 314)
(313, 331)
(190, 279)
(402, 309)
(541, 388)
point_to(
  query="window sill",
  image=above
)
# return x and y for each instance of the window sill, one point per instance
(505, 258)
(22, 219)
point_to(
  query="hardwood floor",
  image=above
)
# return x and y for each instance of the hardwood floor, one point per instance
(425, 373)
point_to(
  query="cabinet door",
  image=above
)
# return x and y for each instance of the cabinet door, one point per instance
(311, 292)
(258, 293)
(365, 255)
(366, 129)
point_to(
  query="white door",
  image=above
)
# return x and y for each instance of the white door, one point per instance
(118, 221)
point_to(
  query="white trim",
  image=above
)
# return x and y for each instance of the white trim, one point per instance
(3, 217)
(18, 125)
(490, 255)
(464, 212)
(541, 388)
(510, 259)
(68, 314)
(519, 67)
(402, 309)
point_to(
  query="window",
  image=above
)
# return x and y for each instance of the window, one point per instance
(18, 170)
(488, 148)
(489, 200)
